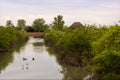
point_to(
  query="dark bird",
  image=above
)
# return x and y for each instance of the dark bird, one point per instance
(33, 59)
(24, 58)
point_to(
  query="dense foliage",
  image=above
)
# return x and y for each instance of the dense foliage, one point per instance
(106, 52)
(101, 45)
(58, 22)
(9, 23)
(21, 23)
(8, 35)
(39, 25)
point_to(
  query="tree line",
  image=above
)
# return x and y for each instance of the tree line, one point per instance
(10, 34)
(38, 25)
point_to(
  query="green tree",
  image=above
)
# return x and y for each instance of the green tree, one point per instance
(107, 65)
(21, 24)
(9, 23)
(106, 60)
(39, 25)
(58, 22)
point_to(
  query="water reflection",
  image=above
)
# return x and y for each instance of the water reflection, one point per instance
(7, 57)
(5, 60)
(70, 71)
(31, 61)
(38, 45)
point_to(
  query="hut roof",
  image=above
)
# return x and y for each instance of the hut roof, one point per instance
(76, 24)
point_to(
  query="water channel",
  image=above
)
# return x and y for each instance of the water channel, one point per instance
(32, 60)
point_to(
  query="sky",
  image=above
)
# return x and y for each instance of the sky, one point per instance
(85, 11)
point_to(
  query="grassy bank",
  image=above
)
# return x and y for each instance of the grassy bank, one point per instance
(96, 46)
(10, 37)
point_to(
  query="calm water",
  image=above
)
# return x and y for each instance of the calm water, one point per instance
(31, 61)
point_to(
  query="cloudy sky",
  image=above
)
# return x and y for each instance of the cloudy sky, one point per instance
(84, 11)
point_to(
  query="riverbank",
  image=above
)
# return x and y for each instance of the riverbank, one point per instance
(96, 48)
(14, 44)
(11, 37)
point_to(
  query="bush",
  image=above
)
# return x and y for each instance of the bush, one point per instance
(52, 37)
(99, 45)
(106, 52)
(107, 63)
(9, 35)
(110, 40)
(75, 41)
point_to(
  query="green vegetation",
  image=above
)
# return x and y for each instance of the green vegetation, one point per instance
(9, 23)
(89, 46)
(10, 35)
(7, 57)
(58, 22)
(106, 50)
(39, 25)
(97, 47)
(21, 24)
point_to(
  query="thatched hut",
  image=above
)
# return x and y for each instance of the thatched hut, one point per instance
(76, 25)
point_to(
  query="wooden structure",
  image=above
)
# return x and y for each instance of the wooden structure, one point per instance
(35, 34)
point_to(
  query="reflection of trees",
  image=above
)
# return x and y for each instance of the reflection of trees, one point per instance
(73, 73)
(70, 72)
(38, 44)
(7, 57)
(38, 47)
(18, 47)
(5, 60)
